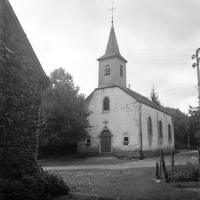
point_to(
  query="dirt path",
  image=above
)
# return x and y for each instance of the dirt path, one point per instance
(180, 158)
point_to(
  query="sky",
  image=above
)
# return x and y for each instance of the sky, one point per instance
(157, 37)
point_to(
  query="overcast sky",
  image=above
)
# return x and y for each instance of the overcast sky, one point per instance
(157, 37)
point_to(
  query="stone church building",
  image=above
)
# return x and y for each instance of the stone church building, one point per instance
(122, 121)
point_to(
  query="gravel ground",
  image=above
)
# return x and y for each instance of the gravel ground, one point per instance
(115, 163)
(126, 184)
(103, 178)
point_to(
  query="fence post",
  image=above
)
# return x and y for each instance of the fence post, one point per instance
(199, 158)
(164, 169)
(157, 170)
(160, 167)
(172, 160)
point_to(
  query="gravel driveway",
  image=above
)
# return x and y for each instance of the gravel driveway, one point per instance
(180, 159)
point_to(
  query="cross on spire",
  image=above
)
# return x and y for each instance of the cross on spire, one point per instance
(112, 10)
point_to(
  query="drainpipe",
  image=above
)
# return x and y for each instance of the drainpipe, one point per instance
(140, 132)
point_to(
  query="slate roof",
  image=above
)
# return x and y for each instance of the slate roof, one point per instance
(112, 49)
(138, 97)
(145, 100)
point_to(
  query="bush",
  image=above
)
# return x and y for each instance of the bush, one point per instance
(56, 185)
(49, 151)
(33, 188)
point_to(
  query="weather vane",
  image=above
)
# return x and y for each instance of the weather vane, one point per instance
(112, 10)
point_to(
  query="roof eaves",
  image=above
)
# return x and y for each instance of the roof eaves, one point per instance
(104, 57)
(138, 97)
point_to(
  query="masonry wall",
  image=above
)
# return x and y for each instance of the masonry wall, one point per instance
(156, 116)
(114, 78)
(21, 82)
(123, 120)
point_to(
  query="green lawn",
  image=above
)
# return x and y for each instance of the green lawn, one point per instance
(126, 184)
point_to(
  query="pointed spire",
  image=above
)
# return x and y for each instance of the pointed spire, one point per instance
(112, 48)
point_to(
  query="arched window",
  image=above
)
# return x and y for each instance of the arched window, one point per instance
(160, 133)
(106, 104)
(150, 131)
(169, 134)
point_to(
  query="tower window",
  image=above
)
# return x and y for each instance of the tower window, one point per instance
(107, 70)
(106, 104)
(121, 70)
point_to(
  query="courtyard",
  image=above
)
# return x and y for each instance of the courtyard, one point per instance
(111, 178)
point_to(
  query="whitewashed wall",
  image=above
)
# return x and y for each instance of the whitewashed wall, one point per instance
(156, 116)
(123, 120)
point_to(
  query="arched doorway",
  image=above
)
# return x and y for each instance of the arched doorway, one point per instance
(105, 138)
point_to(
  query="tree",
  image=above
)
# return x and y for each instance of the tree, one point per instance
(64, 110)
(194, 125)
(180, 121)
(154, 97)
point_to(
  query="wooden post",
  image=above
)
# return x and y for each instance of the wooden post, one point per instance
(160, 167)
(188, 142)
(172, 160)
(140, 133)
(157, 170)
(199, 159)
(164, 169)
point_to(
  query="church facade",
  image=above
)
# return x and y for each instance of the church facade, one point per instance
(122, 121)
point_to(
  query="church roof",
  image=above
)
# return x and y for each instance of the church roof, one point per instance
(145, 100)
(112, 49)
(138, 97)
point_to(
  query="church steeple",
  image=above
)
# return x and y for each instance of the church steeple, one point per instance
(112, 48)
(112, 66)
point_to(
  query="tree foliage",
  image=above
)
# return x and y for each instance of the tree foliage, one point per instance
(186, 126)
(154, 97)
(180, 121)
(65, 114)
(194, 125)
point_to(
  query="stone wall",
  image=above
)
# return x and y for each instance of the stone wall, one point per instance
(114, 78)
(122, 119)
(21, 82)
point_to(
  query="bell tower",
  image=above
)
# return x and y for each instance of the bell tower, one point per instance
(112, 66)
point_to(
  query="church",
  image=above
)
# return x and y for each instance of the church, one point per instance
(123, 122)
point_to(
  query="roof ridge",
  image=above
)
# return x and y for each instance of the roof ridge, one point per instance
(138, 97)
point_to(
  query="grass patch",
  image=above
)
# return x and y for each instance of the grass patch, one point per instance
(122, 184)
(184, 173)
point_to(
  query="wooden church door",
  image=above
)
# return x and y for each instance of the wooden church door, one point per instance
(105, 142)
